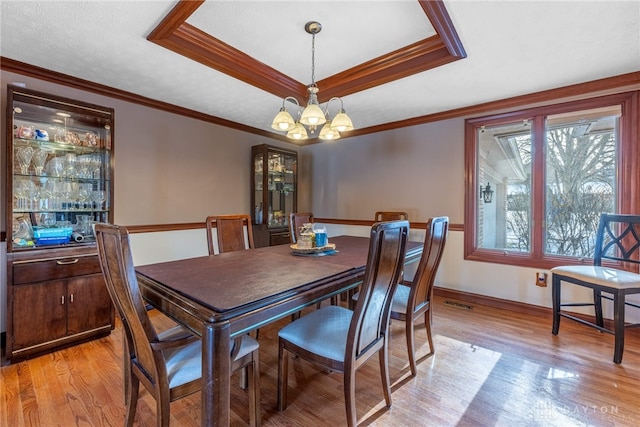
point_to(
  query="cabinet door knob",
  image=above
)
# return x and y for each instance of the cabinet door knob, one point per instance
(70, 298)
(67, 262)
(62, 300)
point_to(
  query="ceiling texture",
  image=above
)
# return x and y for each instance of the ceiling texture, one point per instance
(392, 62)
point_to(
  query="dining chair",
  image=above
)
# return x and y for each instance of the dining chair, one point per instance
(343, 340)
(617, 244)
(410, 302)
(230, 232)
(168, 365)
(296, 219)
(390, 216)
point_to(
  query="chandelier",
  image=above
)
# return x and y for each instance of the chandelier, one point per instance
(312, 117)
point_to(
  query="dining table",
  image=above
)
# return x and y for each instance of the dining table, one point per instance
(220, 297)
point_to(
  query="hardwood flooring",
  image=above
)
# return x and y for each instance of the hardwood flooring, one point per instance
(492, 367)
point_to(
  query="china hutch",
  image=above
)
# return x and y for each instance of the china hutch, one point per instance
(274, 185)
(59, 178)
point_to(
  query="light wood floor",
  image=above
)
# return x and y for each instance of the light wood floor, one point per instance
(491, 367)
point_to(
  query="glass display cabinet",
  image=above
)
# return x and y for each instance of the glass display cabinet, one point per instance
(59, 182)
(274, 185)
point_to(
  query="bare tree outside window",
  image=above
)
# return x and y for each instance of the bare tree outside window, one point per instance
(580, 178)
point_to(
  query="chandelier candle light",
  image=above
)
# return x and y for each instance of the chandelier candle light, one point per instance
(312, 116)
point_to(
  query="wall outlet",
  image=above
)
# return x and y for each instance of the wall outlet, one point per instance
(541, 279)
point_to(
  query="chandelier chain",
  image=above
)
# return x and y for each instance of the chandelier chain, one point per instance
(313, 59)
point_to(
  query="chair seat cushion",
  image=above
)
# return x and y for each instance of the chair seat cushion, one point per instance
(323, 331)
(603, 276)
(400, 299)
(184, 364)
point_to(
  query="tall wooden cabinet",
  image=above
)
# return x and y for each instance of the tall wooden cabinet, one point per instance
(59, 176)
(274, 188)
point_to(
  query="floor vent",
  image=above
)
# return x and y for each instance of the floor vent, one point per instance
(459, 305)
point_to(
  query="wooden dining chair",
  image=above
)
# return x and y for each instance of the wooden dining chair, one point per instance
(230, 232)
(296, 219)
(413, 301)
(343, 340)
(390, 216)
(617, 243)
(168, 365)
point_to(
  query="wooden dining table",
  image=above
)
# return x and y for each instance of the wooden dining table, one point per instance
(220, 297)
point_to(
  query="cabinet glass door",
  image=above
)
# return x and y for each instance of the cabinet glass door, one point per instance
(274, 186)
(59, 170)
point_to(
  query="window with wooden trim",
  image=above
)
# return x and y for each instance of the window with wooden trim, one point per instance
(538, 179)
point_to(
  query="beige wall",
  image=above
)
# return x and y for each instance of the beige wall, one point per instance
(419, 170)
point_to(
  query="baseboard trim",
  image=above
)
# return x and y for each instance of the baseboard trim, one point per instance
(471, 298)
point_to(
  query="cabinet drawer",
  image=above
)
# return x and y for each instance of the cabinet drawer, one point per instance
(61, 268)
(280, 238)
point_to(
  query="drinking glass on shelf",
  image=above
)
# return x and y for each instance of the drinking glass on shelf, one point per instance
(69, 165)
(83, 195)
(96, 165)
(39, 159)
(24, 155)
(98, 197)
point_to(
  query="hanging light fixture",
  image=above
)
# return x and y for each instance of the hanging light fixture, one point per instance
(486, 193)
(312, 116)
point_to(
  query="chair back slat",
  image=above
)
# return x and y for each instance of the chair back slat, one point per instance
(384, 264)
(425, 276)
(618, 239)
(230, 231)
(118, 270)
(381, 216)
(296, 219)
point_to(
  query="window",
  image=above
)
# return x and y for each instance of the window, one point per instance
(540, 179)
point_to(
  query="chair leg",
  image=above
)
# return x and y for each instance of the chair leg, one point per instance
(555, 295)
(597, 304)
(428, 318)
(408, 326)
(132, 398)
(383, 358)
(349, 380)
(283, 373)
(618, 320)
(163, 412)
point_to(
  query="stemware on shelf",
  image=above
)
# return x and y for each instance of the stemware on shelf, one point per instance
(39, 159)
(24, 155)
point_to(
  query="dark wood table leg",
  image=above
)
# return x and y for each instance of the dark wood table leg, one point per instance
(216, 366)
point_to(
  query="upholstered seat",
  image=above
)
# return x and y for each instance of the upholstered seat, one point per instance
(618, 244)
(343, 340)
(604, 276)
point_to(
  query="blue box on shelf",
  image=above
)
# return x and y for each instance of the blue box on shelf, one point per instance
(52, 236)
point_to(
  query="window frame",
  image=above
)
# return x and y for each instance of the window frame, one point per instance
(627, 179)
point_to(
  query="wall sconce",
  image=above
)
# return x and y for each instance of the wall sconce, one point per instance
(486, 193)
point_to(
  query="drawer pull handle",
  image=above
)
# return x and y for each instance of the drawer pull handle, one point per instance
(67, 262)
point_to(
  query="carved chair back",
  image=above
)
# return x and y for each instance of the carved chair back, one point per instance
(230, 231)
